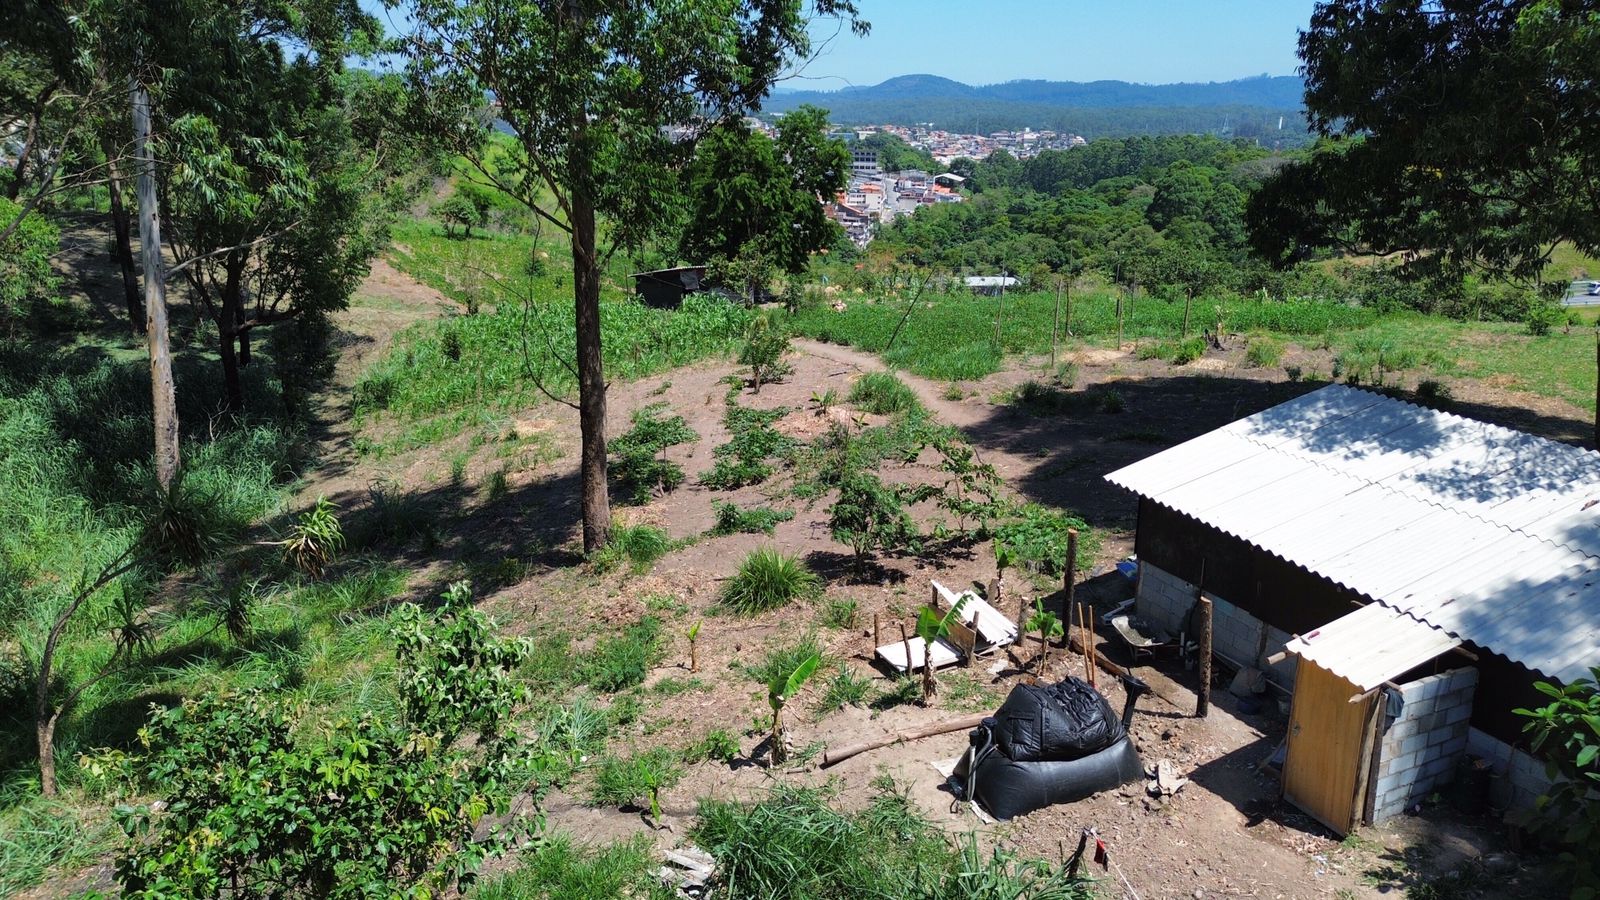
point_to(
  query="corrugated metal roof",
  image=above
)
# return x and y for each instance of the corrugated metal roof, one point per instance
(1486, 533)
(1372, 645)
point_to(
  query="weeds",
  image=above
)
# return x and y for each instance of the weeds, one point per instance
(314, 539)
(881, 393)
(743, 460)
(622, 660)
(767, 580)
(844, 689)
(1263, 352)
(558, 867)
(639, 545)
(755, 520)
(718, 744)
(641, 467)
(844, 614)
(624, 781)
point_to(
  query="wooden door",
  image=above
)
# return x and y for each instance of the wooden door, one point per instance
(1322, 770)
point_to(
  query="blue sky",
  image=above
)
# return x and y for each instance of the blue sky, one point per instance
(988, 41)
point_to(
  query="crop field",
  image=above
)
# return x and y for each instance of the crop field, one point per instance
(952, 336)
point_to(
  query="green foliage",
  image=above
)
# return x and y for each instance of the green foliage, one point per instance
(40, 835)
(973, 489)
(764, 351)
(743, 460)
(314, 539)
(559, 867)
(1187, 351)
(1566, 732)
(793, 845)
(1263, 351)
(767, 580)
(622, 660)
(718, 744)
(458, 210)
(883, 394)
(844, 614)
(755, 520)
(782, 659)
(1038, 537)
(640, 778)
(870, 515)
(639, 545)
(781, 688)
(26, 276)
(845, 689)
(640, 465)
(257, 802)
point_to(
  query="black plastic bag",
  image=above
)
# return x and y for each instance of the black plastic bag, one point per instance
(1063, 721)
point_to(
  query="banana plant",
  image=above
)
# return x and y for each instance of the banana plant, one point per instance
(780, 690)
(694, 657)
(1049, 627)
(932, 627)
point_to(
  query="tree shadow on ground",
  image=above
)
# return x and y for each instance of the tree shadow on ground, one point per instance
(846, 569)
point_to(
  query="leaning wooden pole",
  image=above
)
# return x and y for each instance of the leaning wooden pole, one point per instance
(1203, 705)
(830, 757)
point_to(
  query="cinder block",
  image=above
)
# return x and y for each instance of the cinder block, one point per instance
(1414, 743)
(1439, 768)
(1418, 707)
(1458, 714)
(1400, 763)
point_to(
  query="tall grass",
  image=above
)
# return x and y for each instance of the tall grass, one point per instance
(768, 579)
(558, 867)
(950, 336)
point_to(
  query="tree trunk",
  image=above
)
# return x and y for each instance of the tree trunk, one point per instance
(123, 228)
(162, 394)
(244, 348)
(31, 141)
(232, 315)
(591, 372)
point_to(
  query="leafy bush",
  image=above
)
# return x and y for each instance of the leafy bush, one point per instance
(768, 579)
(718, 744)
(881, 393)
(743, 459)
(1185, 352)
(640, 545)
(756, 520)
(764, 350)
(622, 660)
(26, 275)
(870, 515)
(641, 467)
(794, 846)
(1038, 536)
(1566, 732)
(259, 804)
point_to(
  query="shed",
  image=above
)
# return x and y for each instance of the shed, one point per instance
(665, 288)
(1432, 566)
(990, 285)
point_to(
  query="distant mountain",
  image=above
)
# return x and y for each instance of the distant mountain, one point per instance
(1250, 106)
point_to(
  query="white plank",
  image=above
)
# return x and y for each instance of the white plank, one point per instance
(895, 654)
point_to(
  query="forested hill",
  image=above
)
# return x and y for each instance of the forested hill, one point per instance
(1249, 107)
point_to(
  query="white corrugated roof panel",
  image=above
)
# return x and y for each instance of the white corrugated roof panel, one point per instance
(1372, 645)
(1488, 534)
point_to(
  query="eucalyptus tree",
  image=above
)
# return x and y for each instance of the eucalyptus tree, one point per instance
(605, 98)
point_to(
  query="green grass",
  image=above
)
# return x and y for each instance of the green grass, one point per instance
(39, 835)
(755, 520)
(845, 688)
(949, 336)
(622, 660)
(639, 545)
(883, 394)
(795, 845)
(444, 377)
(557, 868)
(767, 580)
(783, 658)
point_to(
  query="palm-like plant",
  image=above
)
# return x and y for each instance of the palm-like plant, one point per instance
(314, 539)
(780, 690)
(932, 627)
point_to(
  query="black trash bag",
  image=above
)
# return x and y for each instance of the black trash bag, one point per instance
(1063, 721)
(1008, 788)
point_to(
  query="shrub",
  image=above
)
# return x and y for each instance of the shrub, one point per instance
(756, 520)
(1039, 536)
(1263, 352)
(718, 744)
(1431, 392)
(1188, 351)
(743, 459)
(1565, 734)
(1067, 375)
(640, 545)
(841, 614)
(870, 515)
(314, 539)
(260, 803)
(764, 351)
(768, 579)
(641, 467)
(26, 275)
(622, 660)
(881, 393)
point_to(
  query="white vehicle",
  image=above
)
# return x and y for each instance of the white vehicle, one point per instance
(1594, 288)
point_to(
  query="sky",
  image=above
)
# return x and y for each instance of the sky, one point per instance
(990, 41)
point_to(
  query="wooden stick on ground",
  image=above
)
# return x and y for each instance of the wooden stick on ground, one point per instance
(831, 756)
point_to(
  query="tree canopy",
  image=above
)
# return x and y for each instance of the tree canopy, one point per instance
(1459, 133)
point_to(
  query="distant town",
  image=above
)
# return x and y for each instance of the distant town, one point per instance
(875, 196)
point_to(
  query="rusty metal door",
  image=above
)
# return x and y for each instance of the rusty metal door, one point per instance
(1327, 733)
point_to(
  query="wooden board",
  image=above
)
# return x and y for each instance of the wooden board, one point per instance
(895, 655)
(1327, 737)
(994, 628)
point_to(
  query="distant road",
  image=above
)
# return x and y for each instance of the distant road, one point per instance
(1578, 295)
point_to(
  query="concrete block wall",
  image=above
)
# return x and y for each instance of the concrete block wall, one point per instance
(1521, 777)
(1165, 599)
(1421, 747)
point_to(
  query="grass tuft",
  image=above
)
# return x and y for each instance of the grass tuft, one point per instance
(768, 579)
(881, 393)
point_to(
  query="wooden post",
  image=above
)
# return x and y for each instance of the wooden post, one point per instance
(907, 642)
(694, 656)
(1069, 307)
(999, 313)
(876, 641)
(1203, 706)
(1188, 299)
(1069, 578)
(1120, 295)
(1055, 328)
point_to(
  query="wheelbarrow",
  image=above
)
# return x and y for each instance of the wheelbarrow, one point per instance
(1144, 639)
